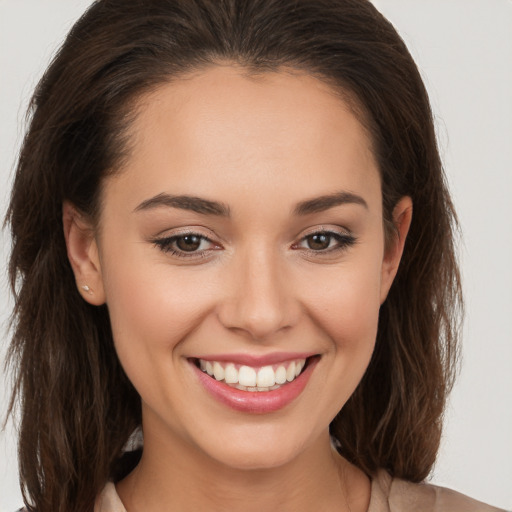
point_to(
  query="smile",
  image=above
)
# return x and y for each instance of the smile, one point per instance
(252, 385)
(248, 378)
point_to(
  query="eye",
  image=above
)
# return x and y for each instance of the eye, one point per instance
(186, 245)
(189, 243)
(325, 241)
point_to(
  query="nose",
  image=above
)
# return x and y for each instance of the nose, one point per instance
(259, 300)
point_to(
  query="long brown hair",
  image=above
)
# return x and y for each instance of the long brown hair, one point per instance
(77, 406)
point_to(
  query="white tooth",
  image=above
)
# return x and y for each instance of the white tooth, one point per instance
(281, 375)
(247, 376)
(263, 389)
(202, 364)
(277, 386)
(266, 377)
(218, 371)
(298, 368)
(252, 388)
(231, 374)
(242, 388)
(290, 372)
(209, 368)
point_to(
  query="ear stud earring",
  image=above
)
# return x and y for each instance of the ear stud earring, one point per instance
(86, 289)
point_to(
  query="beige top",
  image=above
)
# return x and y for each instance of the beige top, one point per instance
(388, 495)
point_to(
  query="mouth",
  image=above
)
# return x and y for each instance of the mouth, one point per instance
(254, 387)
(250, 378)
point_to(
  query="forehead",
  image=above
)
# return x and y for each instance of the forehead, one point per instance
(221, 126)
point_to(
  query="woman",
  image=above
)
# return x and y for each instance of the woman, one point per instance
(240, 272)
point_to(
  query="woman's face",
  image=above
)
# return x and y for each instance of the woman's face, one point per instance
(243, 237)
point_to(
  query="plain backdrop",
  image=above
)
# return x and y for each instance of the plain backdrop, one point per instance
(464, 51)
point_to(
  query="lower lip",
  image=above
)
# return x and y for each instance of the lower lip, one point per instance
(256, 402)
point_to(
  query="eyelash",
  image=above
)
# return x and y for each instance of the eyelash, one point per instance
(344, 241)
(166, 245)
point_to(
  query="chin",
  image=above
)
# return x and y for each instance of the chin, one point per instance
(257, 452)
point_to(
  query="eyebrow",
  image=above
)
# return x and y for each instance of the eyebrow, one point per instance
(191, 203)
(207, 207)
(322, 203)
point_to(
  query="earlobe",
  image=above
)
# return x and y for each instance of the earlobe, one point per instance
(402, 217)
(83, 255)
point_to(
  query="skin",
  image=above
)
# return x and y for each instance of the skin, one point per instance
(259, 145)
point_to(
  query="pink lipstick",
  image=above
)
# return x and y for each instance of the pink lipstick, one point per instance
(255, 401)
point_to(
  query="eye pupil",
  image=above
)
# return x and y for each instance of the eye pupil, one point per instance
(319, 241)
(188, 243)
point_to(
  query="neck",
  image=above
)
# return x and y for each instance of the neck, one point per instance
(175, 476)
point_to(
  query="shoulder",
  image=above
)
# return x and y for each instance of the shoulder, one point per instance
(395, 495)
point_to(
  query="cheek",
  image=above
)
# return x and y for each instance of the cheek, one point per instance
(152, 309)
(351, 324)
(346, 304)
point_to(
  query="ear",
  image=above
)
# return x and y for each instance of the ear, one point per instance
(83, 254)
(402, 216)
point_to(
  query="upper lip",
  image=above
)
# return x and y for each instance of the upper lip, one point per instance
(256, 360)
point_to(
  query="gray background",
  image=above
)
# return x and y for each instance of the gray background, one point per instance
(464, 50)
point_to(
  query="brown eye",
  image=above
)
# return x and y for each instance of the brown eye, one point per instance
(319, 241)
(325, 242)
(188, 243)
